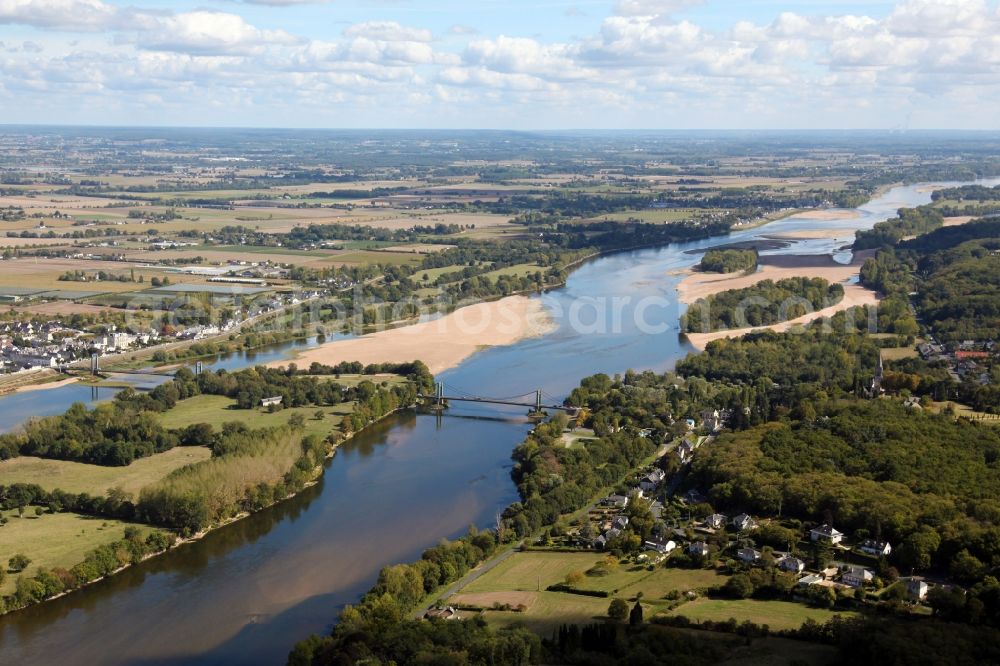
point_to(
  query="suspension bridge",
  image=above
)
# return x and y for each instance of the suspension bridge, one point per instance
(537, 401)
(95, 369)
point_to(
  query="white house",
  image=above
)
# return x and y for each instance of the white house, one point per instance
(917, 588)
(662, 546)
(876, 548)
(826, 533)
(744, 522)
(857, 577)
(748, 555)
(792, 564)
(698, 548)
(268, 402)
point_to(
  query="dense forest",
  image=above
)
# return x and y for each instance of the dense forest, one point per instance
(909, 222)
(728, 261)
(955, 274)
(762, 304)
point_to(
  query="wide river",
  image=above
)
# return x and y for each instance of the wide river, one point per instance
(246, 593)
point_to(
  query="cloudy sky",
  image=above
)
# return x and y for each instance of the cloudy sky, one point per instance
(522, 64)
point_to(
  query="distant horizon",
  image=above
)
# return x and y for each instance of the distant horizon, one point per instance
(630, 64)
(582, 130)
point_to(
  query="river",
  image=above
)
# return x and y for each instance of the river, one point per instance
(246, 593)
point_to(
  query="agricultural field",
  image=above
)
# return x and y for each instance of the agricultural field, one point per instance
(54, 539)
(96, 480)
(656, 215)
(775, 614)
(522, 580)
(217, 410)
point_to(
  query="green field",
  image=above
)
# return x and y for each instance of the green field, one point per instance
(532, 571)
(517, 270)
(775, 614)
(54, 540)
(217, 410)
(666, 580)
(78, 477)
(547, 610)
(376, 257)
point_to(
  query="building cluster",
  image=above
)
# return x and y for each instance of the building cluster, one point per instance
(968, 360)
(25, 345)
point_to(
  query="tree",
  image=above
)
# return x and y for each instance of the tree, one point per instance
(297, 421)
(618, 610)
(574, 577)
(319, 415)
(39, 511)
(19, 562)
(635, 617)
(740, 586)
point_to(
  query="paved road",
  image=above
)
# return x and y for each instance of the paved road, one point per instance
(486, 567)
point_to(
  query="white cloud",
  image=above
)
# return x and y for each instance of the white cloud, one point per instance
(71, 15)
(653, 7)
(388, 31)
(642, 61)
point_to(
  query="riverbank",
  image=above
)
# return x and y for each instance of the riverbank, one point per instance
(442, 343)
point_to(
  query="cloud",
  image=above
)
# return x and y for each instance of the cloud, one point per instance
(644, 61)
(70, 15)
(388, 31)
(653, 7)
(208, 32)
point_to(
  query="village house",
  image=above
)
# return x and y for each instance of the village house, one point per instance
(271, 402)
(917, 588)
(711, 420)
(448, 613)
(857, 577)
(748, 555)
(619, 522)
(616, 501)
(685, 450)
(826, 533)
(744, 522)
(698, 549)
(876, 548)
(652, 481)
(811, 579)
(662, 546)
(792, 564)
(716, 521)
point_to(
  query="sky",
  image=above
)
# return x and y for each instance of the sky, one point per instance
(504, 64)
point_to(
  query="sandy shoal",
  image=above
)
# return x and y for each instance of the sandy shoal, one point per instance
(700, 285)
(808, 234)
(827, 214)
(958, 221)
(442, 343)
(854, 295)
(44, 387)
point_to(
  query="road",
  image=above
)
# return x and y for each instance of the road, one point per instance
(483, 568)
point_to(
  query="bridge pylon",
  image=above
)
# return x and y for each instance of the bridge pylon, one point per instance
(537, 414)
